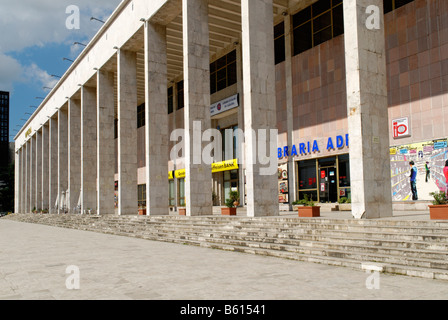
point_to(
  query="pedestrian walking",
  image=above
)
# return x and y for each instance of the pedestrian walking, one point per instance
(445, 172)
(428, 172)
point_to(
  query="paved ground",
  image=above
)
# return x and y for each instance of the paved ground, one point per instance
(34, 259)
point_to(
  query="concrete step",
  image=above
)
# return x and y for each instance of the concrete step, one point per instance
(404, 247)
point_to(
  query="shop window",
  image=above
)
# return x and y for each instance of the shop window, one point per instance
(172, 195)
(279, 42)
(170, 100)
(181, 191)
(223, 72)
(180, 95)
(230, 182)
(316, 24)
(226, 155)
(141, 115)
(142, 195)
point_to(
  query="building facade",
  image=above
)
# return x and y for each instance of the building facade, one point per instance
(355, 89)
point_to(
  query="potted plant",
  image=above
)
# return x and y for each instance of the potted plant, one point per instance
(230, 209)
(235, 196)
(439, 209)
(309, 209)
(34, 210)
(345, 204)
(44, 210)
(142, 210)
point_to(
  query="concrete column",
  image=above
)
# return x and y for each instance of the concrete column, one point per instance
(27, 177)
(45, 166)
(32, 189)
(365, 60)
(53, 164)
(74, 154)
(88, 149)
(198, 176)
(17, 175)
(62, 159)
(156, 129)
(289, 108)
(241, 164)
(39, 170)
(22, 178)
(105, 143)
(259, 105)
(127, 133)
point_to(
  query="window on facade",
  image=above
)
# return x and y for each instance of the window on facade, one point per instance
(223, 72)
(170, 100)
(180, 95)
(115, 128)
(232, 150)
(172, 195)
(141, 115)
(279, 42)
(181, 190)
(142, 195)
(390, 5)
(316, 24)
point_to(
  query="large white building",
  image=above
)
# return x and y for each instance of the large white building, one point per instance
(321, 72)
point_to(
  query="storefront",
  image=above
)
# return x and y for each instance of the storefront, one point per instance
(324, 179)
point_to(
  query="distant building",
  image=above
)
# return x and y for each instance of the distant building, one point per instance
(4, 128)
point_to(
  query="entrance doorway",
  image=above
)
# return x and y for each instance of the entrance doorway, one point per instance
(328, 188)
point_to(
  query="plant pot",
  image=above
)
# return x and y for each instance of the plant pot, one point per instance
(142, 212)
(228, 211)
(182, 211)
(345, 207)
(309, 212)
(438, 212)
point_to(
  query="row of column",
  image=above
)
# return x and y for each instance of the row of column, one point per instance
(73, 154)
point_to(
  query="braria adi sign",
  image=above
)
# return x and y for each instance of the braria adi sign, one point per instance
(400, 128)
(224, 105)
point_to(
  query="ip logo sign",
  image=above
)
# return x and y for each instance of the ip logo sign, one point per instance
(400, 128)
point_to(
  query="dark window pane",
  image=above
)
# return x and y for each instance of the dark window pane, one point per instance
(322, 36)
(279, 30)
(279, 45)
(338, 21)
(221, 62)
(213, 67)
(400, 3)
(302, 38)
(221, 74)
(212, 83)
(231, 56)
(221, 84)
(320, 7)
(301, 17)
(231, 74)
(388, 5)
(322, 22)
(336, 2)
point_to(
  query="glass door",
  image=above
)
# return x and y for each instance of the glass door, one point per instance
(328, 188)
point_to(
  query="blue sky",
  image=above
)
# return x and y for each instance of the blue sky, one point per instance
(34, 39)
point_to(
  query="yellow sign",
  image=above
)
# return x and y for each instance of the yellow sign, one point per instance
(180, 173)
(225, 165)
(216, 167)
(28, 132)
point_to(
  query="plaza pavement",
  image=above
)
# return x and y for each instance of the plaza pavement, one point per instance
(34, 259)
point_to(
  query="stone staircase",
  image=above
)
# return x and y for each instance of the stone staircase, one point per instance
(414, 248)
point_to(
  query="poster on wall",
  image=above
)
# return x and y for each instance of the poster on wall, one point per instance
(429, 158)
(283, 183)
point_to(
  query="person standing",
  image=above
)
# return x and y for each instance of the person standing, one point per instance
(413, 180)
(428, 174)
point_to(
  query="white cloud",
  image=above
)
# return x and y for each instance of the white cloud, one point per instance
(27, 23)
(10, 72)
